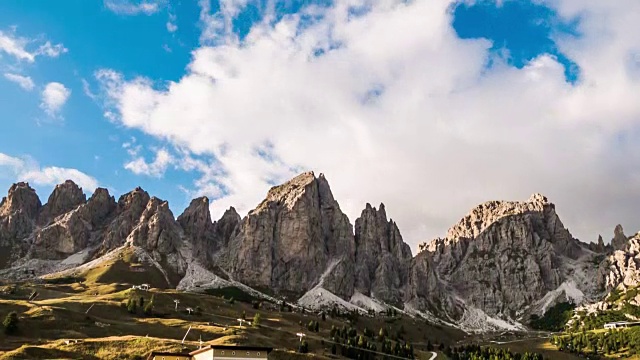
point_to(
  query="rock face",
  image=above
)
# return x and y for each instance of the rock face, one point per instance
(619, 241)
(382, 259)
(623, 266)
(18, 213)
(292, 238)
(504, 256)
(65, 197)
(208, 237)
(197, 225)
(128, 212)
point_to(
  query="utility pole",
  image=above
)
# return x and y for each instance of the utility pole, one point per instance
(301, 335)
(177, 302)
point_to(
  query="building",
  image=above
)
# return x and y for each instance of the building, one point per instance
(218, 352)
(621, 324)
(227, 352)
(168, 356)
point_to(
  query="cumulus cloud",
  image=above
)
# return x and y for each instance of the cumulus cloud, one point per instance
(156, 168)
(27, 169)
(393, 107)
(54, 96)
(133, 7)
(25, 82)
(16, 46)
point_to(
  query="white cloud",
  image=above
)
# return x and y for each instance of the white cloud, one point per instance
(157, 168)
(25, 82)
(171, 27)
(443, 133)
(171, 23)
(54, 96)
(133, 7)
(27, 169)
(52, 50)
(16, 46)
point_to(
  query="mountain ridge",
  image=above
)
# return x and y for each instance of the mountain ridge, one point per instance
(500, 263)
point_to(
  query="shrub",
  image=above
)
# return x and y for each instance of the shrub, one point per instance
(131, 306)
(148, 309)
(304, 347)
(10, 323)
(257, 319)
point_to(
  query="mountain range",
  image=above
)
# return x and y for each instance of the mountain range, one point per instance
(501, 263)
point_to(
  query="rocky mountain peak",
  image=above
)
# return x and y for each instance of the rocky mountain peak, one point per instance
(485, 214)
(538, 198)
(65, 197)
(382, 257)
(230, 215)
(133, 202)
(21, 197)
(289, 192)
(100, 207)
(290, 239)
(620, 240)
(196, 217)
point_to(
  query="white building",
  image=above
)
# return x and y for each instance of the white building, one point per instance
(621, 324)
(226, 352)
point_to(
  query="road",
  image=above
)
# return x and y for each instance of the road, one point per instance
(433, 355)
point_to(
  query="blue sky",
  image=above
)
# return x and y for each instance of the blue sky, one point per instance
(232, 102)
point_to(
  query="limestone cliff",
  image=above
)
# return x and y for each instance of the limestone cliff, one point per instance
(382, 258)
(504, 256)
(292, 237)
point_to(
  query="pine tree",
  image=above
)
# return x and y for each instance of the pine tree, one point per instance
(131, 306)
(304, 347)
(257, 319)
(317, 327)
(148, 309)
(10, 323)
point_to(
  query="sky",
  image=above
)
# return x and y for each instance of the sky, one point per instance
(428, 106)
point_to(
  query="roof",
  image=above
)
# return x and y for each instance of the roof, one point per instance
(231, 347)
(165, 353)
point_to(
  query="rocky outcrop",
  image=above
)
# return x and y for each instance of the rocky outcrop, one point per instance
(623, 266)
(73, 230)
(21, 198)
(18, 213)
(197, 225)
(208, 238)
(620, 240)
(382, 259)
(599, 246)
(225, 228)
(64, 198)
(296, 234)
(157, 229)
(127, 215)
(504, 256)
